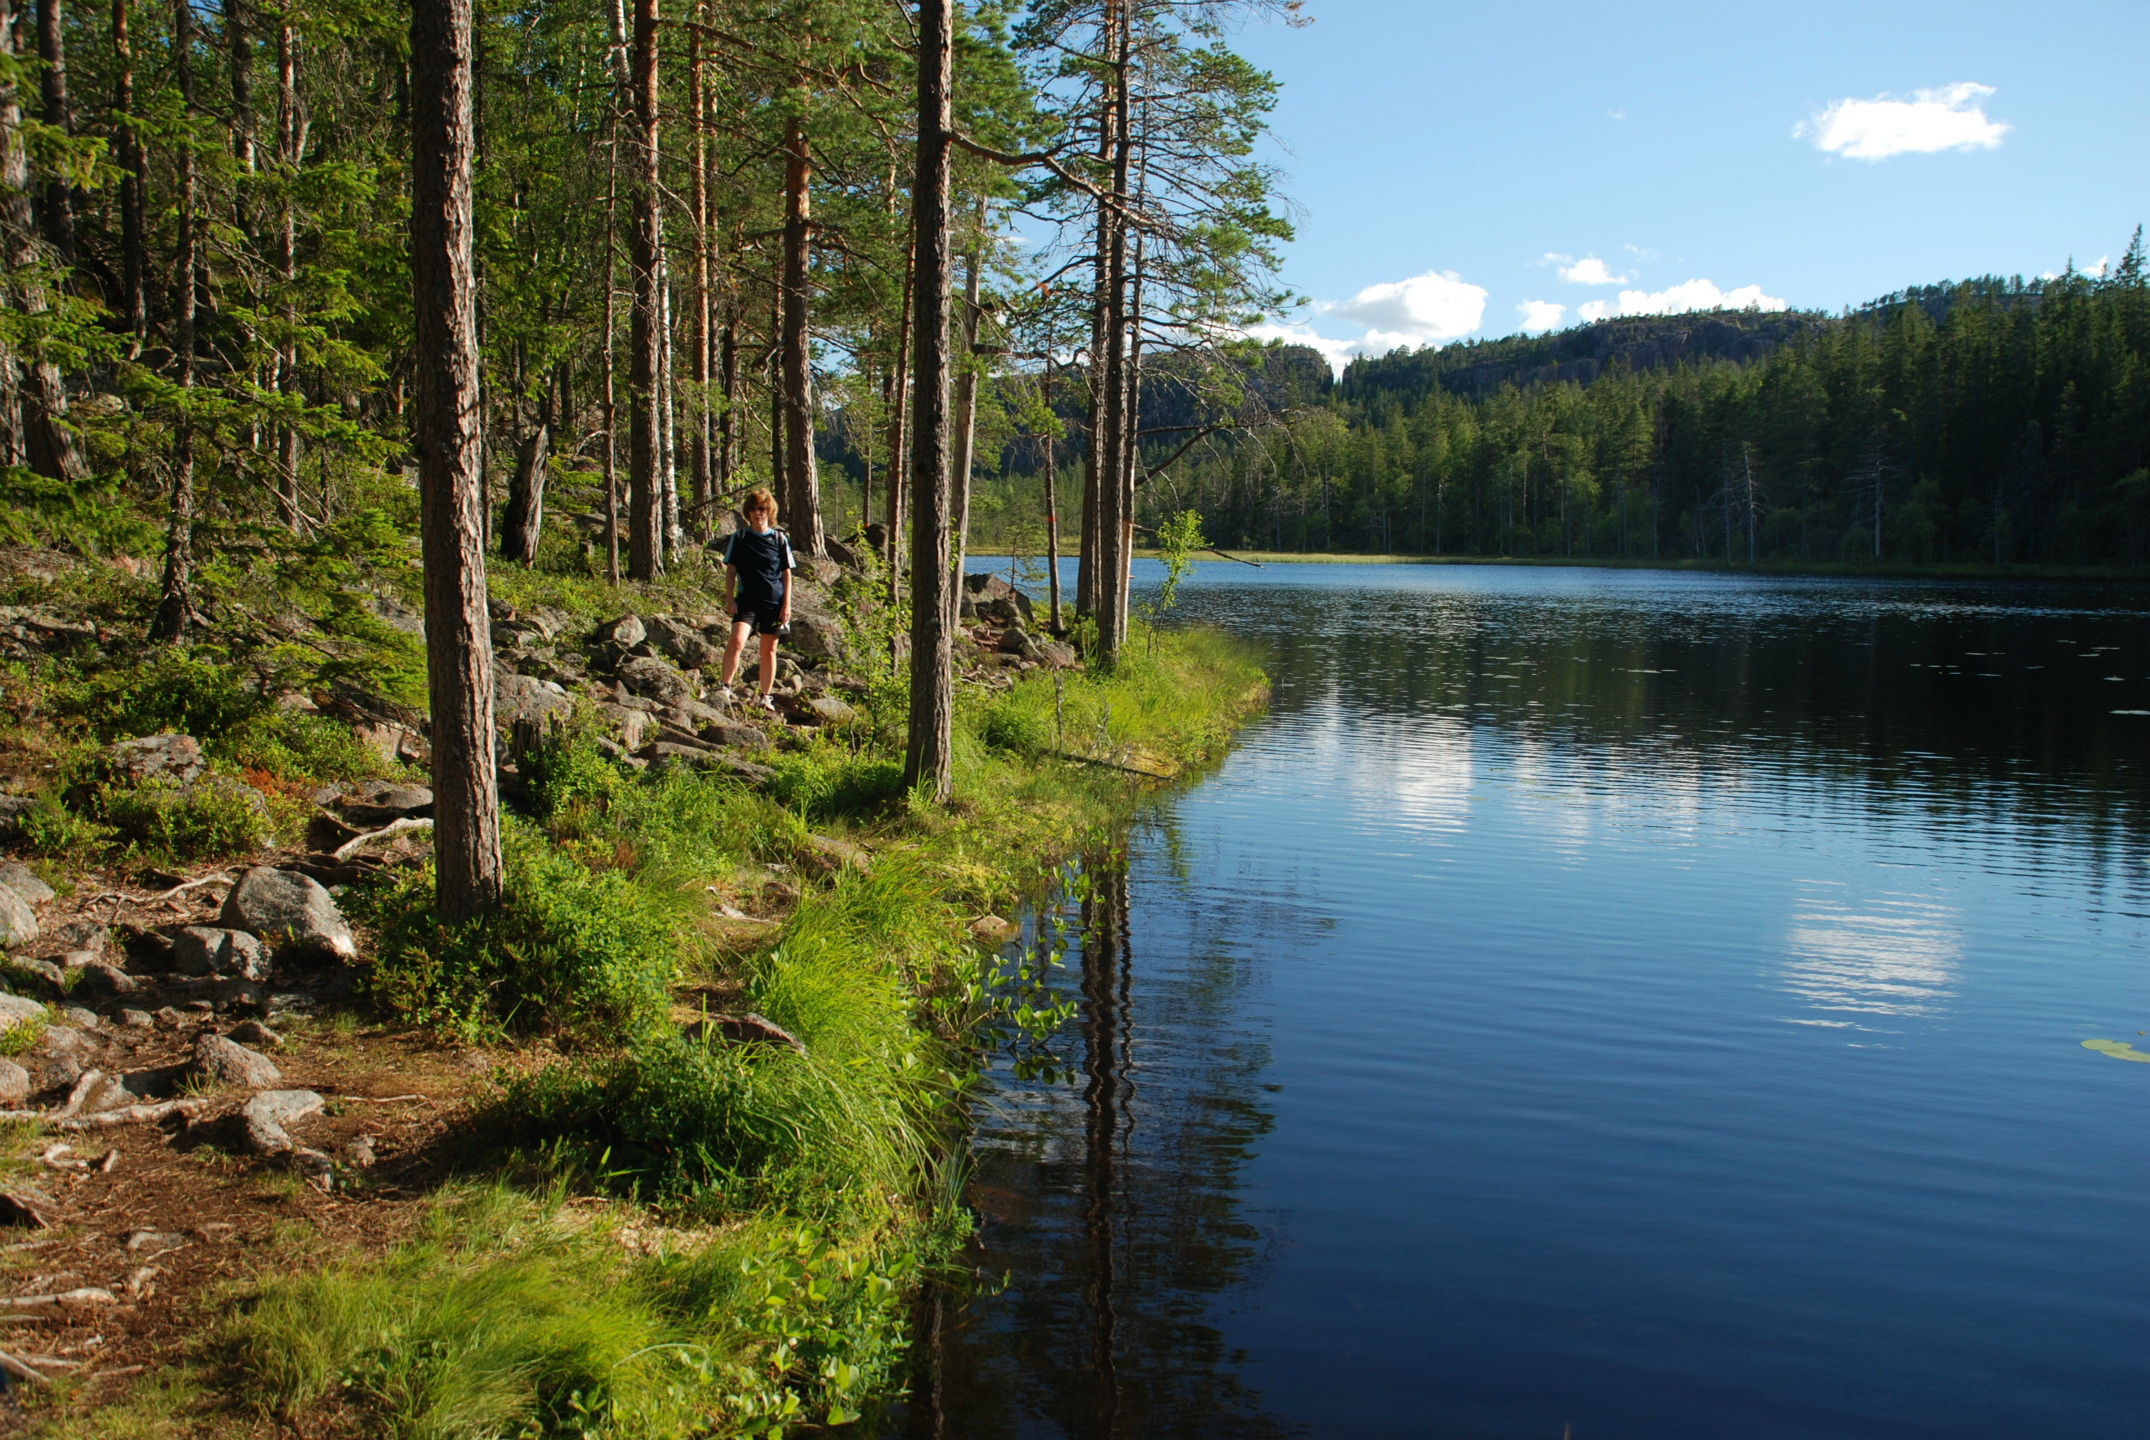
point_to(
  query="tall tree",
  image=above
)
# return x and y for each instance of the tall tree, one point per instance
(929, 752)
(646, 337)
(446, 436)
(175, 606)
(59, 193)
(802, 480)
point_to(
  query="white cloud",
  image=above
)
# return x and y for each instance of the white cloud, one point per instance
(1427, 309)
(1590, 270)
(1337, 352)
(1693, 295)
(1950, 118)
(1541, 314)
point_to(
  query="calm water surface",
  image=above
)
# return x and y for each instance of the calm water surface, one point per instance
(1613, 1004)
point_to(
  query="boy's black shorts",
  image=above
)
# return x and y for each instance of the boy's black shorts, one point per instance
(766, 619)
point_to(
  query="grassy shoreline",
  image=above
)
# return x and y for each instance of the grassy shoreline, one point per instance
(653, 1232)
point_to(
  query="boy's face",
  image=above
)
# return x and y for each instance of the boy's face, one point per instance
(761, 519)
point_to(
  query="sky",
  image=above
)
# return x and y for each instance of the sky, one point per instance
(1471, 170)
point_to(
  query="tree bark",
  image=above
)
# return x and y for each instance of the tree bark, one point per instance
(1052, 505)
(728, 422)
(1109, 439)
(802, 482)
(898, 460)
(459, 647)
(667, 415)
(59, 214)
(966, 425)
(175, 606)
(645, 330)
(928, 755)
(524, 524)
(290, 141)
(239, 47)
(133, 167)
(36, 407)
(611, 402)
(701, 461)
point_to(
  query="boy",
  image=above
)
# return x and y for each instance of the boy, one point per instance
(757, 591)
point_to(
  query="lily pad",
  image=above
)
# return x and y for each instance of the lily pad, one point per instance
(2118, 1049)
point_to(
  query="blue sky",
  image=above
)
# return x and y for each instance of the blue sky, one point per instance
(1437, 150)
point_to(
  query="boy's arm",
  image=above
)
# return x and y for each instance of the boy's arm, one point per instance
(784, 618)
(731, 584)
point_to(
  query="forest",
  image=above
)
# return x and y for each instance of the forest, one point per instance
(1993, 421)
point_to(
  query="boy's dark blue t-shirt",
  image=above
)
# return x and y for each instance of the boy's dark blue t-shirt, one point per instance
(762, 560)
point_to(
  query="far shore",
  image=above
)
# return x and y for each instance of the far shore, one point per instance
(1940, 570)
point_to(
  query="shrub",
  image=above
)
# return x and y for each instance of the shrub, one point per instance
(571, 949)
(297, 746)
(825, 782)
(215, 815)
(1011, 724)
(183, 691)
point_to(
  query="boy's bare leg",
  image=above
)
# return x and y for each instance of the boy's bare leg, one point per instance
(740, 630)
(768, 663)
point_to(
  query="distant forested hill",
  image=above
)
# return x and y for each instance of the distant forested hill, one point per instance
(1991, 420)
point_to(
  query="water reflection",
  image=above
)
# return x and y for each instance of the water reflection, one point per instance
(1894, 956)
(1117, 1221)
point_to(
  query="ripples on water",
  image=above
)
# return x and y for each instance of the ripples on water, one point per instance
(1648, 1004)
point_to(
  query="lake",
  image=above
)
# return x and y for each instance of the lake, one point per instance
(1600, 1003)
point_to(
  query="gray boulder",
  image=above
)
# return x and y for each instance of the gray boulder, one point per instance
(18, 922)
(176, 758)
(227, 1062)
(831, 711)
(206, 950)
(104, 981)
(264, 1117)
(1017, 641)
(647, 675)
(381, 802)
(816, 633)
(625, 632)
(278, 904)
(12, 809)
(634, 726)
(525, 697)
(684, 642)
(24, 882)
(16, 1010)
(14, 1085)
(253, 1032)
(44, 970)
(83, 935)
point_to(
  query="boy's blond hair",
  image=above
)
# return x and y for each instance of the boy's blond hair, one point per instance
(759, 499)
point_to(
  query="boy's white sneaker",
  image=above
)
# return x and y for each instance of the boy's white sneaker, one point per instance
(725, 695)
(767, 702)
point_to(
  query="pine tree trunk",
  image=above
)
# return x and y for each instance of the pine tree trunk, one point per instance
(1052, 506)
(703, 471)
(175, 607)
(728, 422)
(523, 525)
(39, 437)
(459, 648)
(667, 414)
(928, 755)
(59, 214)
(611, 401)
(966, 426)
(1110, 439)
(290, 140)
(802, 482)
(133, 167)
(239, 48)
(898, 459)
(645, 337)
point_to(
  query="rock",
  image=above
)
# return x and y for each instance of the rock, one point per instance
(360, 1152)
(229, 1063)
(176, 758)
(831, 711)
(736, 736)
(281, 904)
(154, 1241)
(59, 1041)
(204, 950)
(657, 679)
(814, 633)
(18, 922)
(379, 803)
(173, 1018)
(693, 715)
(634, 726)
(14, 1085)
(1057, 655)
(96, 1092)
(289, 1002)
(744, 1029)
(83, 935)
(625, 632)
(992, 930)
(76, 959)
(1015, 640)
(27, 1206)
(314, 1167)
(44, 970)
(12, 809)
(253, 1032)
(105, 981)
(264, 1117)
(241, 997)
(15, 1010)
(137, 1019)
(78, 1016)
(684, 642)
(827, 855)
(24, 882)
(526, 698)
(395, 744)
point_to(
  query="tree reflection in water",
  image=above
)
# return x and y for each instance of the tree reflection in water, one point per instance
(1114, 1207)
